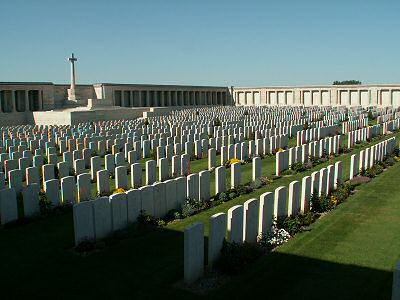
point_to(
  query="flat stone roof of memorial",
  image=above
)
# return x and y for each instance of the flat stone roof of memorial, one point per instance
(318, 86)
(25, 83)
(161, 85)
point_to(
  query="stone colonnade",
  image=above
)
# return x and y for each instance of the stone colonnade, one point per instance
(364, 95)
(155, 98)
(12, 101)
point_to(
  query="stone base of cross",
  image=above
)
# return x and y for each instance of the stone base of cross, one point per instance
(72, 95)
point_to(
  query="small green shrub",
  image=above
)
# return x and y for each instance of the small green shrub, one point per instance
(298, 167)
(320, 204)
(234, 256)
(256, 184)
(373, 171)
(288, 172)
(146, 220)
(173, 214)
(296, 224)
(232, 195)
(241, 190)
(192, 206)
(390, 161)
(223, 197)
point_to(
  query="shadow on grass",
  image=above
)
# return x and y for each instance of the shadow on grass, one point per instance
(37, 260)
(285, 276)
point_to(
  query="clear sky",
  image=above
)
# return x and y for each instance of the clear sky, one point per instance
(202, 42)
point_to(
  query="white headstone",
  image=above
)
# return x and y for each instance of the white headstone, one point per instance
(119, 212)
(216, 237)
(8, 206)
(102, 217)
(83, 222)
(280, 202)
(193, 252)
(266, 212)
(235, 224)
(250, 220)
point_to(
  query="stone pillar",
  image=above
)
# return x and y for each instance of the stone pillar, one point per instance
(162, 99)
(13, 103)
(155, 99)
(123, 98)
(131, 98)
(140, 98)
(227, 96)
(147, 99)
(1, 96)
(26, 101)
(169, 101)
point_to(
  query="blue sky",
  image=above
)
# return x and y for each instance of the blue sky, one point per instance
(241, 43)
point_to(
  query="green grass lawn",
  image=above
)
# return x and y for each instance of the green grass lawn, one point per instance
(352, 250)
(348, 254)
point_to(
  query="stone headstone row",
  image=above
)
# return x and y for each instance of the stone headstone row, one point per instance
(368, 157)
(244, 223)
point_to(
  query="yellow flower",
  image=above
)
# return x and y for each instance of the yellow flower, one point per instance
(231, 161)
(334, 200)
(280, 150)
(118, 191)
